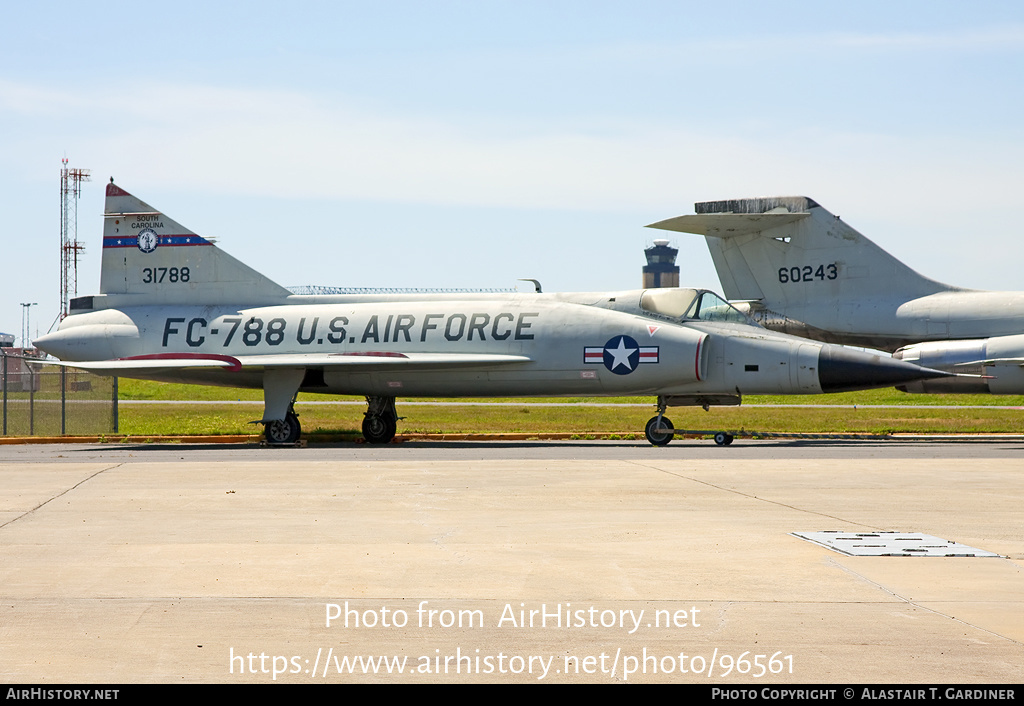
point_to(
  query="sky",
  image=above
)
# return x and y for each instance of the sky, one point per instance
(439, 143)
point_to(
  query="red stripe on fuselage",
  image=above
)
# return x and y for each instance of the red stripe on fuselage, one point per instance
(235, 363)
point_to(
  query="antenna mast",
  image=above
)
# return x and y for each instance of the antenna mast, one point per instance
(70, 189)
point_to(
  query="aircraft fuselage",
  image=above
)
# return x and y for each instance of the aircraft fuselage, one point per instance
(886, 323)
(566, 348)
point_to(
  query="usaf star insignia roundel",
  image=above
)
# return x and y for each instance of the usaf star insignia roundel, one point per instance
(621, 354)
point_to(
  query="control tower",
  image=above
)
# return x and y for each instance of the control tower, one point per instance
(661, 270)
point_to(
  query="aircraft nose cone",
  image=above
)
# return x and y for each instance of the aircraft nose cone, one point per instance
(46, 342)
(844, 370)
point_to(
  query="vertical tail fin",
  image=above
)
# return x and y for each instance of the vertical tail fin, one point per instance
(156, 260)
(789, 252)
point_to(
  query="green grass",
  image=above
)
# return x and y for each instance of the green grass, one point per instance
(143, 420)
(334, 419)
(128, 389)
(147, 390)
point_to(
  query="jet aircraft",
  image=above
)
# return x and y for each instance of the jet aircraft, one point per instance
(796, 268)
(174, 307)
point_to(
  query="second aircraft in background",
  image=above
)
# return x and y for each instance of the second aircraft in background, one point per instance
(796, 268)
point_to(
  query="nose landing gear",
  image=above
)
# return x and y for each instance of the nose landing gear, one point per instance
(659, 430)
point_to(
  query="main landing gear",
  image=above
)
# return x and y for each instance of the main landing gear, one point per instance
(282, 432)
(379, 424)
(380, 420)
(280, 423)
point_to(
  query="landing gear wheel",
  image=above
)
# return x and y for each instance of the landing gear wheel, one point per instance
(723, 439)
(659, 435)
(378, 429)
(283, 431)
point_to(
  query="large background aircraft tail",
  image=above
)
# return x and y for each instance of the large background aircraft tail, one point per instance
(157, 261)
(788, 252)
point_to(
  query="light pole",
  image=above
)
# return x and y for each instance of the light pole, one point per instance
(25, 318)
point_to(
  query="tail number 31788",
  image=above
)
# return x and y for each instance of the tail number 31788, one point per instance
(156, 275)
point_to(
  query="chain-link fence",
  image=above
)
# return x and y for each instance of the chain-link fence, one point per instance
(43, 399)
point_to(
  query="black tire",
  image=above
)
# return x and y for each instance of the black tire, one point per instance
(283, 432)
(723, 439)
(378, 429)
(659, 437)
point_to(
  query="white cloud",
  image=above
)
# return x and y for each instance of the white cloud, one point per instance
(290, 144)
(294, 145)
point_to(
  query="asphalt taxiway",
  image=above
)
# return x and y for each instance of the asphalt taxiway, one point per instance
(507, 562)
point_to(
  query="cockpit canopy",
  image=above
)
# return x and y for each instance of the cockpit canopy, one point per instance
(684, 303)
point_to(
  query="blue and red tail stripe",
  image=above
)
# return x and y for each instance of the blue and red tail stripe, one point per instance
(132, 241)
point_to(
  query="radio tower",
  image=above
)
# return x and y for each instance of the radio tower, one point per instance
(70, 189)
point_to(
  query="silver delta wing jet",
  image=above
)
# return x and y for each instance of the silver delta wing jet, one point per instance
(174, 307)
(796, 268)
